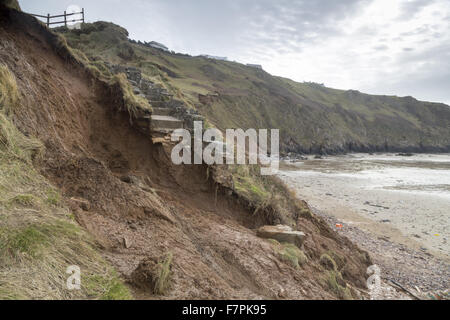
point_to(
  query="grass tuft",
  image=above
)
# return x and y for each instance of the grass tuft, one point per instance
(163, 278)
(53, 197)
(333, 280)
(24, 200)
(27, 241)
(271, 199)
(133, 103)
(12, 141)
(15, 144)
(9, 93)
(328, 262)
(289, 253)
(107, 288)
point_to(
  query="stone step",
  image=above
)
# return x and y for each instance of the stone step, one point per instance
(282, 233)
(161, 111)
(166, 122)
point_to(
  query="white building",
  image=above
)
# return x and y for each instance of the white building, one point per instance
(257, 66)
(158, 45)
(207, 56)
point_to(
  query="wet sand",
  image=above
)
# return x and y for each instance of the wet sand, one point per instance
(397, 208)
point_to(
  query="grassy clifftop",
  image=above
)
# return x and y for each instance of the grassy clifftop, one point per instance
(311, 118)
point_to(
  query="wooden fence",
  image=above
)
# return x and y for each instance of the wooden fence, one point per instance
(65, 16)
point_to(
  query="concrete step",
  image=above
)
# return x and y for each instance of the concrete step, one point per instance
(166, 122)
(161, 111)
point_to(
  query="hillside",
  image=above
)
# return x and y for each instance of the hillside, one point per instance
(83, 182)
(311, 117)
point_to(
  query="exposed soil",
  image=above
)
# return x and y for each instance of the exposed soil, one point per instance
(141, 206)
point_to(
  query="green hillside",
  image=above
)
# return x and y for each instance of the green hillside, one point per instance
(311, 117)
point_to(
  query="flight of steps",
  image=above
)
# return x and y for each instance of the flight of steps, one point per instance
(168, 113)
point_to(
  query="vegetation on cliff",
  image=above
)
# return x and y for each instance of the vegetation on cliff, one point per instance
(311, 118)
(39, 238)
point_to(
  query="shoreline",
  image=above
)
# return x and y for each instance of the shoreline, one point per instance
(397, 262)
(372, 219)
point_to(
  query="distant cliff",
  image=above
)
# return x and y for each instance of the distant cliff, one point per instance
(311, 117)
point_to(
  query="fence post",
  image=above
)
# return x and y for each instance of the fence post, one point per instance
(48, 20)
(82, 13)
(65, 19)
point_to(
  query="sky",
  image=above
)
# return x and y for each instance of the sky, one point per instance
(393, 47)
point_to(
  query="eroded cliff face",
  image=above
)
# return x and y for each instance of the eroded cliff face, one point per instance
(141, 209)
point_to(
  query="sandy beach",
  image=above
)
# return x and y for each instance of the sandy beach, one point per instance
(395, 207)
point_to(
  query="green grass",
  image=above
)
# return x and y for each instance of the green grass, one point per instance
(25, 241)
(332, 279)
(311, 118)
(246, 183)
(163, 276)
(268, 195)
(328, 262)
(25, 200)
(133, 103)
(9, 93)
(107, 288)
(52, 197)
(289, 253)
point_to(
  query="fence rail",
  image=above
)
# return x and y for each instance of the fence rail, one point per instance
(65, 15)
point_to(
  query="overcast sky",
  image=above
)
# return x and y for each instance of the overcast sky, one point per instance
(398, 47)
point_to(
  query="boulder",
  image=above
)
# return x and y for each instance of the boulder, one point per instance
(126, 242)
(282, 233)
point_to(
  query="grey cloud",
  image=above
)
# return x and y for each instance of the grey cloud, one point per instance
(267, 30)
(410, 8)
(301, 22)
(381, 48)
